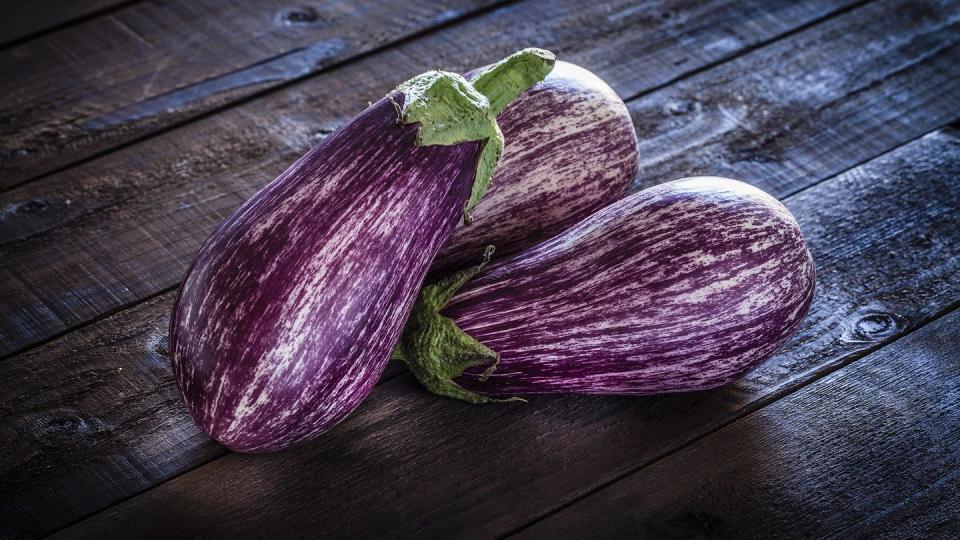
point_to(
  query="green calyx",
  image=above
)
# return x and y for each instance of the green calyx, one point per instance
(504, 81)
(451, 110)
(436, 350)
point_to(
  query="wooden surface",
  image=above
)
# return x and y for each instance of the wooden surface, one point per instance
(824, 451)
(131, 129)
(180, 59)
(25, 20)
(126, 225)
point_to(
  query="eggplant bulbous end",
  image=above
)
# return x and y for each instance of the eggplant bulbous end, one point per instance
(683, 286)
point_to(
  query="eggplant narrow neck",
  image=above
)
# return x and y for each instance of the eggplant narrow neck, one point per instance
(451, 110)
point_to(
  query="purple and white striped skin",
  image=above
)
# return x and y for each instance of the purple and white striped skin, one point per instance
(684, 286)
(570, 150)
(317, 267)
(290, 310)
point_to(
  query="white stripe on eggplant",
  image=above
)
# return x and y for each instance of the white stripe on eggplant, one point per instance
(571, 150)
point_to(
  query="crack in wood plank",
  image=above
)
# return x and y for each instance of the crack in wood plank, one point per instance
(32, 22)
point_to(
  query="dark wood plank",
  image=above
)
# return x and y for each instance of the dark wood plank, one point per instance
(930, 512)
(130, 442)
(22, 19)
(878, 437)
(115, 78)
(804, 108)
(153, 66)
(409, 463)
(125, 226)
(102, 410)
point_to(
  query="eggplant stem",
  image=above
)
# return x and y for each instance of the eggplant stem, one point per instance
(436, 350)
(451, 110)
(504, 81)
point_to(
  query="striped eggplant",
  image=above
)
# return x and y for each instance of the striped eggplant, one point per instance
(684, 286)
(571, 150)
(289, 312)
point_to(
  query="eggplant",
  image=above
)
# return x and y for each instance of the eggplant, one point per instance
(684, 286)
(571, 150)
(289, 311)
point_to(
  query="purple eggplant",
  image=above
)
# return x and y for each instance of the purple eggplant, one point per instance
(571, 150)
(289, 312)
(684, 286)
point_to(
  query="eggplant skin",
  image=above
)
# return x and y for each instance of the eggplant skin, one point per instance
(571, 149)
(292, 307)
(684, 286)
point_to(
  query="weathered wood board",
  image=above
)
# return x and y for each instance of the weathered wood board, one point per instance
(876, 443)
(403, 440)
(140, 70)
(125, 227)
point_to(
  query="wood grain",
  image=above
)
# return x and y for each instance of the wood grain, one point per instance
(22, 20)
(125, 226)
(411, 463)
(873, 444)
(932, 512)
(101, 411)
(133, 71)
(152, 66)
(807, 107)
(95, 408)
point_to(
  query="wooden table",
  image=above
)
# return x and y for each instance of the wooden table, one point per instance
(130, 129)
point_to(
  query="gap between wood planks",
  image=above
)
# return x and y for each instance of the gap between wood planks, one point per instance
(259, 94)
(57, 26)
(816, 374)
(745, 51)
(105, 315)
(930, 470)
(864, 161)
